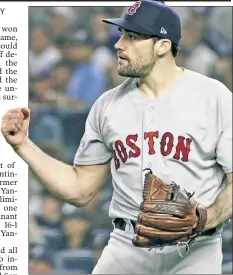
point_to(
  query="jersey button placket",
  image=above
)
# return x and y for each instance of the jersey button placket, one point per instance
(150, 115)
(150, 108)
(147, 127)
(149, 165)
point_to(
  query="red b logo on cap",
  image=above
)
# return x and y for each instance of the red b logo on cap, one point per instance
(134, 8)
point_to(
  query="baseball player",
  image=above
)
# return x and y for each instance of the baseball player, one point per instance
(171, 121)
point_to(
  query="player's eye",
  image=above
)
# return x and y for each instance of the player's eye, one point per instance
(132, 37)
(120, 32)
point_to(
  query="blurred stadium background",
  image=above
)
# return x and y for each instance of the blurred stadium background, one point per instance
(72, 61)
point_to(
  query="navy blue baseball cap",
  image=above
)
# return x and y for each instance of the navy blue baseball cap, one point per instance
(152, 18)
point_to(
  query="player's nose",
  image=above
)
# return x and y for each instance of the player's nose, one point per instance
(120, 44)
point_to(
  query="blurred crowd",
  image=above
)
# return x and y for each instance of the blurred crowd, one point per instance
(72, 61)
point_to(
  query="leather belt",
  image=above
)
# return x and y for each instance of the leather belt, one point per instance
(121, 224)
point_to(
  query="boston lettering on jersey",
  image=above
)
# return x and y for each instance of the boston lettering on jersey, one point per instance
(168, 141)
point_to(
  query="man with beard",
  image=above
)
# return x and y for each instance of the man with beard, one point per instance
(171, 120)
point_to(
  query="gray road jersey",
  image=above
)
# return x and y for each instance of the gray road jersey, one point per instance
(184, 136)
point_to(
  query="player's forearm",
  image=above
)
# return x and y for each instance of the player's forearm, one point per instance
(221, 210)
(56, 176)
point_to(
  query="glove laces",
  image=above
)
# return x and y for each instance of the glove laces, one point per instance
(145, 189)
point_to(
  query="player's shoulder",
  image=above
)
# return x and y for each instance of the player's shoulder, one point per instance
(115, 94)
(104, 107)
(207, 85)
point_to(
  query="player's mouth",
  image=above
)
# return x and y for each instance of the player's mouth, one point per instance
(122, 59)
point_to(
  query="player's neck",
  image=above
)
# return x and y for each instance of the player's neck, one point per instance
(162, 77)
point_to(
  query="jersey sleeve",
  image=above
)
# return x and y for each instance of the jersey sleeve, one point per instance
(92, 148)
(224, 144)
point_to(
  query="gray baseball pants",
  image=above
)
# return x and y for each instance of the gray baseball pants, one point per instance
(121, 257)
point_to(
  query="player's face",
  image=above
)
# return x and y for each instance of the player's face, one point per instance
(136, 56)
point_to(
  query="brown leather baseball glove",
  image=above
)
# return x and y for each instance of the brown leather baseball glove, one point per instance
(168, 216)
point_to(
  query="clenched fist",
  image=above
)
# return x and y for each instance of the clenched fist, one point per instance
(15, 124)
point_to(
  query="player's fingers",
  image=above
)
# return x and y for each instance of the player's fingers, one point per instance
(9, 130)
(16, 111)
(13, 115)
(140, 241)
(26, 113)
(13, 121)
(18, 124)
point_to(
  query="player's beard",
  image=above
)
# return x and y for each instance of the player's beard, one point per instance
(140, 68)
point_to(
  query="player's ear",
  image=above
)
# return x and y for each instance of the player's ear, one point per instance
(163, 47)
